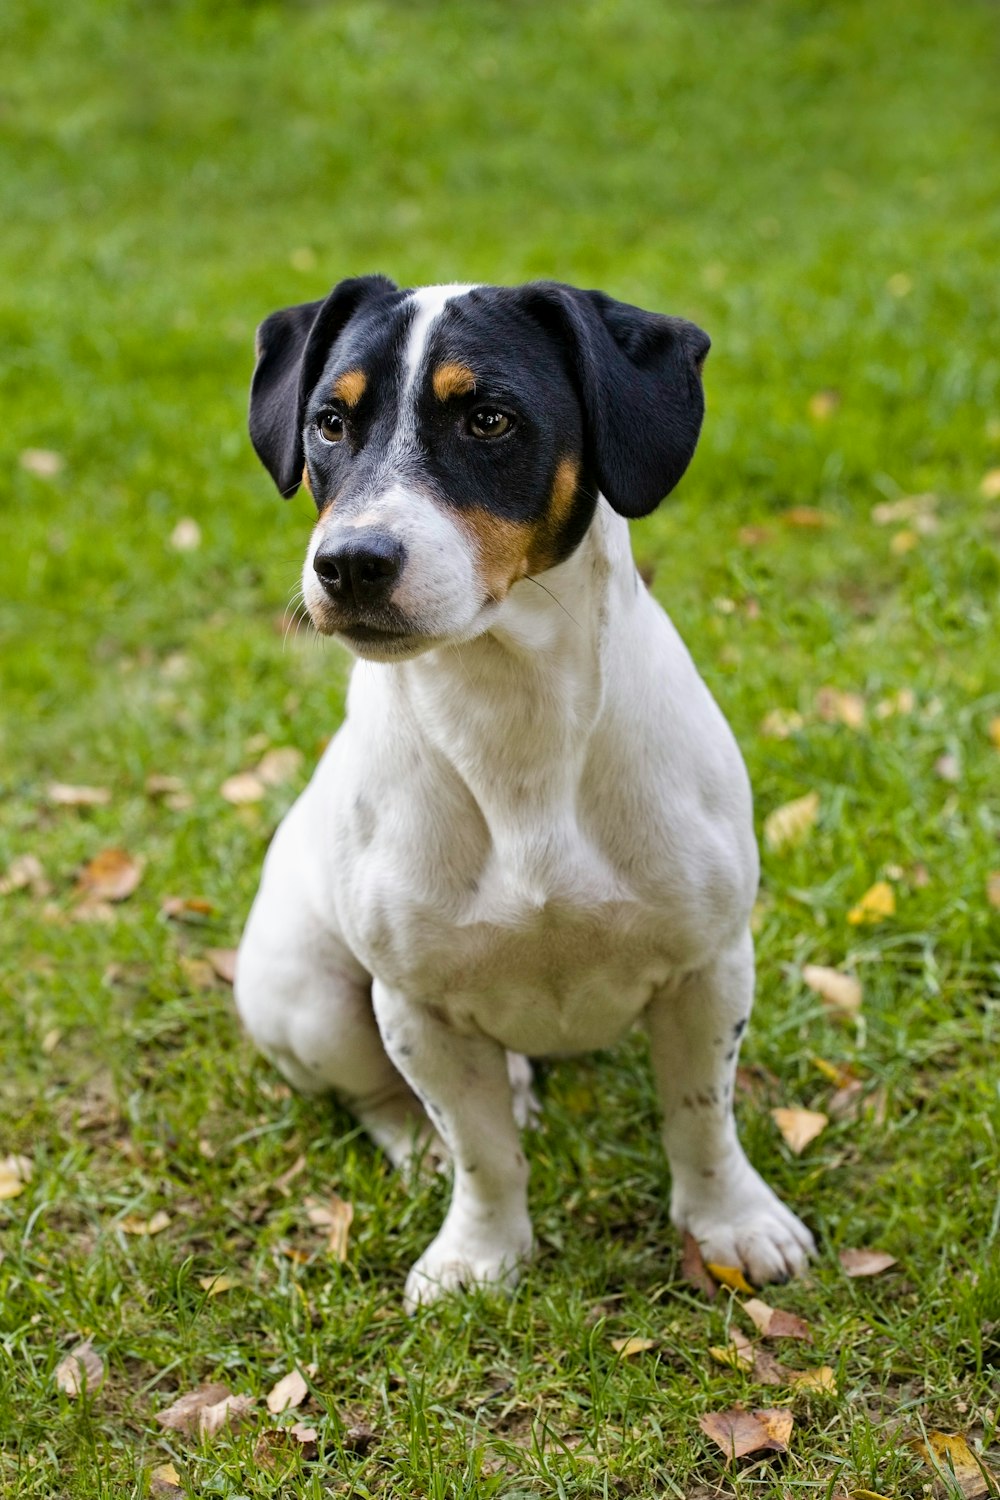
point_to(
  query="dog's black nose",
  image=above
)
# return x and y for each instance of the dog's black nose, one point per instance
(360, 569)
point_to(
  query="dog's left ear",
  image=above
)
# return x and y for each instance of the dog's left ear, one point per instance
(638, 375)
(292, 348)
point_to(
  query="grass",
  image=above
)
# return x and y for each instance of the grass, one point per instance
(817, 186)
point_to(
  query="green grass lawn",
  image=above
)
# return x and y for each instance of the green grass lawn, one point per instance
(819, 187)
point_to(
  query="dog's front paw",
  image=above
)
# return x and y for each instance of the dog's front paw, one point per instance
(747, 1226)
(456, 1260)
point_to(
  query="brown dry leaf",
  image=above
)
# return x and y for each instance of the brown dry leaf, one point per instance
(164, 1480)
(279, 765)
(199, 973)
(308, 1437)
(737, 1354)
(807, 517)
(780, 723)
(187, 908)
(993, 888)
(738, 1432)
(25, 873)
(162, 786)
(205, 1411)
(843, 1077)
(877, 903)
(693, 1269)
(291, 1390)
(730, 1276)
(989, 485)
(216, 1285)
(841, 991)
(278, 1447)
(335, 1217)
(359, 1437)
(865, 1262)
(820, 1379)
(767, 1370)
(223, 961)
(280, 1184)
(790, 823)
(15, 1172)
(799, 1126)
(133, 1224)
(774, 1322)
(111, 875)
(950, 1452)
(243, 787)
(63, 795)
(44, 463)
(81, 1370)
(836, 707)
(909, 508)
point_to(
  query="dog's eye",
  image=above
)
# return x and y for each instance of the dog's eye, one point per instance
(330, 427)
(487, 422)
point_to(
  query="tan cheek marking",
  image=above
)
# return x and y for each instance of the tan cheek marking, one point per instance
(305, 480)
(542, 553)
(350, 387)
(502, 547)
(452, 380)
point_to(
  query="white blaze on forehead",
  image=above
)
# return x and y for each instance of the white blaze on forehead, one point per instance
(429, 303)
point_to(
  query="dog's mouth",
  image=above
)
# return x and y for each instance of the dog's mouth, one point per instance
(382, 643)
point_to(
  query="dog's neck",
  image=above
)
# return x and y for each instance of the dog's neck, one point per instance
(512, 710)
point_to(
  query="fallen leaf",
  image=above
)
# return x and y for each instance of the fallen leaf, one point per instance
(164, 1480)
(989, 485)
(754, 536)
(291, 1390)
(807, 517)
(909, 508)
(205, 1411)
(133, 1224)
(730, 1276)
(199, 973)
(280, 1184)
(993, 888)
(865, 1262)
(822, 405)
(843, 1077)
(186, 535)
(766, 1369)
(335, 1216)
(81, 1370)
(279, 765)
(25, 873)
(162, 786)
(780, 723)
(821, 1378)
(111, 875)
(836, 707)
(223, 961)
(877, 903)
(903, 542)
(216, 1285)
(243, 787)
(15, 1172)
(63, 795)
(738, 1432)
(359, 1437)
(308, 1437)
(51, 1040)
(790, 823)
(774, 1322)
(42, 462)
(948, 767)
(845, 1104)
(841, 991)
(737, 1354)
(949, 1452)
(186, 908)
(693, 1269)
(868, 1495)
(901, 702)
(993, 731)
(799, 1126)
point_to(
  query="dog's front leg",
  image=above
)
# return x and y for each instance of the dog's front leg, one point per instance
(463, 1084)
(695, 1029)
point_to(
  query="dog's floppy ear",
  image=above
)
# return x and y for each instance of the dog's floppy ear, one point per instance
(292, 347)
(638, 376)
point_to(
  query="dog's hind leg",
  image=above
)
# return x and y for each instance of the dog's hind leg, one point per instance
(695, 1029)
(306, 1001)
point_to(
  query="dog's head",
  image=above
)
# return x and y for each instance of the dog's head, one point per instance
(455, 440)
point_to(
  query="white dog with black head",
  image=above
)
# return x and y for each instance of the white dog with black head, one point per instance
(534, 827)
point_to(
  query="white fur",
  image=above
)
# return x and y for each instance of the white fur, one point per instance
(521, 844)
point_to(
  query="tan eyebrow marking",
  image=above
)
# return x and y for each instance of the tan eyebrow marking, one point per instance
(453, 379)
(350, 386)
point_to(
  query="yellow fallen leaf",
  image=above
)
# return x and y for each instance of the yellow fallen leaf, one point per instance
(799, 1126)
(15, 1171)
(164, 1480)
(877, 903)
(868, 1495)
(820, 1379)
(625, 1348)
(807, 517)
(774, 1322)
(836, 707)
(842, 991)
(836, 1074)
(730, 1276)
(134, 1224)
(822, 405)
(790, 823)
(111, 875)
(994, 732)
(216, 1285)
(904, 541)
(949, 1453)
(243, 787)
(736, 1355)
(989, 485)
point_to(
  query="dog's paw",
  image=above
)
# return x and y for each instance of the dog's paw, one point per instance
(452, 1262)
(750, 1228)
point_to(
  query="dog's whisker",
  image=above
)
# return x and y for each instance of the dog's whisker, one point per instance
(553, 596)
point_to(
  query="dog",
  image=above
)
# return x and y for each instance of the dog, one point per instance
(534, 827)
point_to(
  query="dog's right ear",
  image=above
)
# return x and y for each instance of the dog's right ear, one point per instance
(292, 348)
